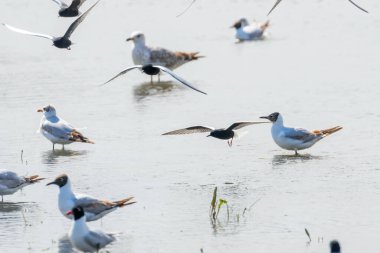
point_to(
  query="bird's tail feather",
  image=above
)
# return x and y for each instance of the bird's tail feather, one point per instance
(326, 132)
(189, 56)
(124, 202)
(33, 179)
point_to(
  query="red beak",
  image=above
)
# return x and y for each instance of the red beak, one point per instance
(69, 212)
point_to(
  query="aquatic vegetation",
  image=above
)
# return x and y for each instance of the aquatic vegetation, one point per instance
(216, 205)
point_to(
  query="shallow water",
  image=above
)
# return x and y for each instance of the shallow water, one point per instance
(319, 67)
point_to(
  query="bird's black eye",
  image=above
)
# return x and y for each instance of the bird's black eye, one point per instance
(138, 36)
(47, 109)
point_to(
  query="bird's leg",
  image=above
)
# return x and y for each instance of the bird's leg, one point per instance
(2, 200)
(296, 152)
(63, 147)
(158, 77)
(53, 146)
(151, 79)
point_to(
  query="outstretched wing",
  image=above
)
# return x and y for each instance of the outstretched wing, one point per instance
(79, 20)
(277, 2)
(122, 73)
(18, 30)
(238, 125)
(191, 130)
(76, 4)
(179, 79)
(60, 3)
(360, 8)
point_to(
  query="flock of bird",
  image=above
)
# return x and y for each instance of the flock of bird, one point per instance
(151, 61)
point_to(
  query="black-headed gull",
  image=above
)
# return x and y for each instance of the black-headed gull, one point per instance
(71, 10)
(278, 1)
(222, 133)
(143, 54)
(151, 70)
(295, 138)
(10, 182)
(58, 130)
(60, 42)
(246, 31)
(94, 208)
(82, 237)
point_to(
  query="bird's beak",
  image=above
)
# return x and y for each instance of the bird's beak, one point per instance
(54, 182)
(40, 110)
(69, 212)
(130, 38)
(264, 117)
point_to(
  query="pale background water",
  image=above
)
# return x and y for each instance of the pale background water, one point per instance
(319, 67)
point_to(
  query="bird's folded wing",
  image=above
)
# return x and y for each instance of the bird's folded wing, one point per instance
(191, 130)
(10, 179)
(75, 24)
(59, 129)
(76, 4)
(61, 4)
(162, 56)
(18, 30)
(179, 79)
(123, 72)
(238, 125)
(300, 134)
(97, 239)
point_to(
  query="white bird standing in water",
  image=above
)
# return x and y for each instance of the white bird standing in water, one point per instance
(246, 31)
(143, 54)
(57, 130)
(94, 208)
(82, 237)
(10, 182)
(295, 138)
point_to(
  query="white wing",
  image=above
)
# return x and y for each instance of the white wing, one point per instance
(61, 4)
(17, 30)
(191, 130)
(179, 79)
(122, 73)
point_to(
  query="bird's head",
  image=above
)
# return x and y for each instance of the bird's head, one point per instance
(78, 212)
(48, 111)
(272, 117)
(240, 23)
(61, 180)
(137, 37)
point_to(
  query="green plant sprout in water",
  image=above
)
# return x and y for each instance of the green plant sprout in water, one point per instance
(216, 205)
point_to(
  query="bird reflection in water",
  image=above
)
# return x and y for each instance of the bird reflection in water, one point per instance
(52, 156)
(148, 89)
(286, 159)
(64, 245)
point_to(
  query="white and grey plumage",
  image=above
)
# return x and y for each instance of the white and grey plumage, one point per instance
(223, 134)
(71, 10)
(246, 31)
(60, 42)
(143, 54)
(278, 1)
(295, 138)
(10, 182)
(82, 237)
(94, 208)
(151, 70)
(58, 130)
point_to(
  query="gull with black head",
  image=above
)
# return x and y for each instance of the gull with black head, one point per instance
(295, 138)
(71, 10)
(224, 134)
(58, 130)
(59, 42)
(152, 70)
(10, 182)
(246, 31)
(82, 237)
(94, 208)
